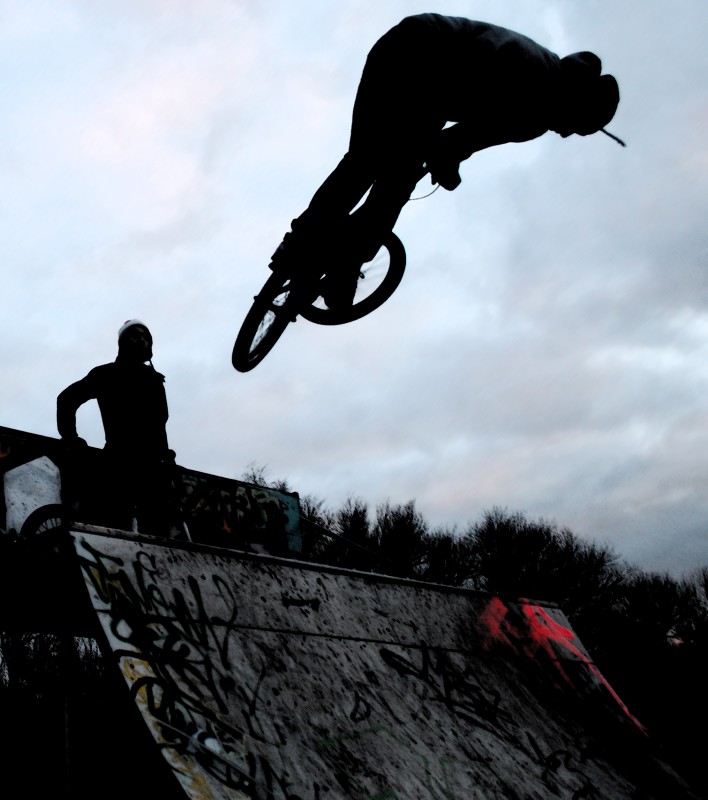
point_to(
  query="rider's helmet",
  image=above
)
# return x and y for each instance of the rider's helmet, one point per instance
(131, 323)
(135, 347)
(590, 99)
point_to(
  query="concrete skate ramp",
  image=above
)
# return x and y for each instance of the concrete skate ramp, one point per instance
(266, 678)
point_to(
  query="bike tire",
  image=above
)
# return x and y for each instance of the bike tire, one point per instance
(385, 270)
(273, 309)
(42, 520)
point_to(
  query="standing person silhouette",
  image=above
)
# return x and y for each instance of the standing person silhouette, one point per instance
(495, 85)
(137, 480)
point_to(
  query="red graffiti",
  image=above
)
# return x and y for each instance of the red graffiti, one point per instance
(530, 630)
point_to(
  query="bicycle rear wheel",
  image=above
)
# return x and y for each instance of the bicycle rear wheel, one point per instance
(378, 280)
(273, 309)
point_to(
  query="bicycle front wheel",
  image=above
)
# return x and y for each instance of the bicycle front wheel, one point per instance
(378, 280)
(272, 311)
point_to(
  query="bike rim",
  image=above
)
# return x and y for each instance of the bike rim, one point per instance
(378, 280)
(371, 275)
(272, 316)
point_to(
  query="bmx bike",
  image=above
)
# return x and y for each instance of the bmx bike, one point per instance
(295, 290)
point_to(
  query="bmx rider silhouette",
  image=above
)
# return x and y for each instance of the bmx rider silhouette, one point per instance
(494, 85)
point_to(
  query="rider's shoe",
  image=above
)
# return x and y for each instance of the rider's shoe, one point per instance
(369, 251)
(339, 288)
(297, 244)
(309, 238)
(284, 251)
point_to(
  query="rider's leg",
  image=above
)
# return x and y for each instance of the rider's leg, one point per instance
(395, 117)
(394, 96)
(323, 220)
(384, 92)
(388, 138)
(368, 227)
(377, 216)
(395, 113)
(342, 190)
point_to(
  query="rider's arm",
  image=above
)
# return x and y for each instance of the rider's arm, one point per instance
(68, 403)
(459, 141)
(454, 145)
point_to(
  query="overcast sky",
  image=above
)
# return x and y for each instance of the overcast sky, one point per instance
(547, 349)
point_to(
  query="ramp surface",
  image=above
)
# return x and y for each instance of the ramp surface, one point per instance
(266, 678)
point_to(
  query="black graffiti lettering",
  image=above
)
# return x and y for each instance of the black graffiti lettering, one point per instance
(361, 710)
(570, 759)
(469, 700)
(277, 785)
(167, 636)
(250, 711)
(179, 644)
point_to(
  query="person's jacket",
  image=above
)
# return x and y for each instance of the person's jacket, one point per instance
(498, 85)
(133, 405)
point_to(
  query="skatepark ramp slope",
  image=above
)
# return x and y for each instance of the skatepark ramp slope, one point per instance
(266, 678)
